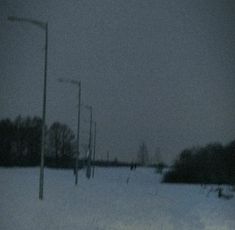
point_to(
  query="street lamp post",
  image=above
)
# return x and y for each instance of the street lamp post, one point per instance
(88, 172)
(94, 148)
(78, 84)
(44, 26)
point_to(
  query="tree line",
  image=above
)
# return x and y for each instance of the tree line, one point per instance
(20, 142)
(20, 145)
(210, 164)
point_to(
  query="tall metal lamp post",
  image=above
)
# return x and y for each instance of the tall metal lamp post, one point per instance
(44, 26)
(78, 84)
(94, 148)
(88, 172)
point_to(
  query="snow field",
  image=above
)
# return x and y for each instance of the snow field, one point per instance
(116, 198)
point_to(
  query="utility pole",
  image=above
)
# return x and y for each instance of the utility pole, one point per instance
(94, 148)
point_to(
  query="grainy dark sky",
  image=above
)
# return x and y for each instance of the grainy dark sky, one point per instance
(159, 71)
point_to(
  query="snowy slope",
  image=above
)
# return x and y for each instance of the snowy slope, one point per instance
(108, 202)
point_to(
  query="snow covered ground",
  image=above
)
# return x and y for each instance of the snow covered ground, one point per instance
(108, 202)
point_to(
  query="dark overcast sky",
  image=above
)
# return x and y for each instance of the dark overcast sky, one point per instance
(160, 71)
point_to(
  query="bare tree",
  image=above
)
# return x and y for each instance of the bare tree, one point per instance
(142, 155)
(60, 141)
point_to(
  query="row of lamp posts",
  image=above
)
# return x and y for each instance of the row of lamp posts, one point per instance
(44, 26)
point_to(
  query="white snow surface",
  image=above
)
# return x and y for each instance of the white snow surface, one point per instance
(108, 202)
